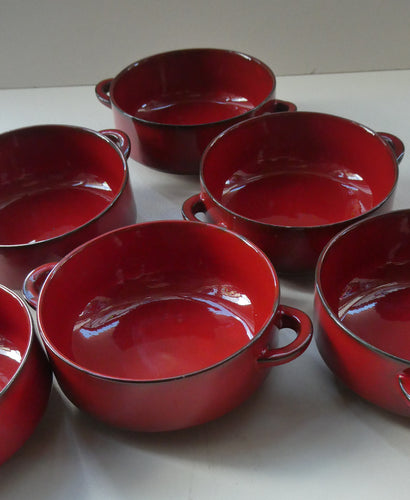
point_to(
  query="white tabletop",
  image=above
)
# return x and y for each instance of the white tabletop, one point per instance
(302, 435)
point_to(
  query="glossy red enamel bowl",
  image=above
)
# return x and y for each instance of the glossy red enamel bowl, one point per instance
(163, 325)
(60, 186)
(362, 309)
(291, 181)
(25, 375)
(172, 104)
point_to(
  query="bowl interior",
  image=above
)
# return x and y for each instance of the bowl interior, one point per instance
(191, 87)
(157, 300)
(54, 179)
(299, 169)
(15, 335)
(364, 277)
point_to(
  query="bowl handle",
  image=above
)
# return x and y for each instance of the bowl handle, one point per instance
(276, 106)
(300, 323)
(192, 206)
(102, 91)
(402, 379)
(395, 143)
(34, 281)
(120, 139)
(195, 205)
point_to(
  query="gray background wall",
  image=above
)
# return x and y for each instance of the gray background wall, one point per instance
(55, 43)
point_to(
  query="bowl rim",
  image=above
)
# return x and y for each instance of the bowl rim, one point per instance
(321, 295)
(125, 175)
(133, 66)
(29, 343)
(278, 116)
(207, 227)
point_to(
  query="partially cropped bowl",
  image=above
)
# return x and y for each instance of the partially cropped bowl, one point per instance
(163, 325)
(25, 375)
(290, 181)
(60, 185)
(173, 104)
(362, 309)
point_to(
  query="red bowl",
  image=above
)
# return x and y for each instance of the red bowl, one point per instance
(362, 309)
(172, 104)
(60, 186)
(291, 181)
(163, 325)
(25, 375)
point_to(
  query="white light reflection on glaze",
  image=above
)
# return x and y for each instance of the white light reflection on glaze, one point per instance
(219, 309)
(234, 296)
(356, 304)
(94, 185)
(102, 316)
(97, 326)
(13, 354)
(86, 333)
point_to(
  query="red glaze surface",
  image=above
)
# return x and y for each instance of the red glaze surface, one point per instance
(161, 325)
(25, 376)
(173, 104)
(362, 304)
(291, 181)
(60, 186)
